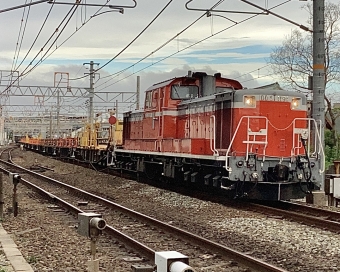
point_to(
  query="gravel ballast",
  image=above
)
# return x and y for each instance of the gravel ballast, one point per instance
(48, 240)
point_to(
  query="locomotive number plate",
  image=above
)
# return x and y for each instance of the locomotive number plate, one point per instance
(278, 98)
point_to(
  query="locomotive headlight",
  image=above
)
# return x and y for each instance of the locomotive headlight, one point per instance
(296, 101)
(249, 100)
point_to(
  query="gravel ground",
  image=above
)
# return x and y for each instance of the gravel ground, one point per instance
(5, 266)
(56, 245)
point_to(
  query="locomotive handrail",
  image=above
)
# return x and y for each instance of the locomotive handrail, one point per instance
(320, 127)
(212, 136)
(317, 140)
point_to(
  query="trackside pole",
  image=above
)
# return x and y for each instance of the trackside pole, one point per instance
(1, 197)
(91, 226)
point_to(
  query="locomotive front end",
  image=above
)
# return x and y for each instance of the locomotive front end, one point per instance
(275, 151)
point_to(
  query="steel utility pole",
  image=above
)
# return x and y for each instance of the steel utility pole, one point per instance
(91, 96)
(51, 134)
(138, 93)
(91, 91)
(58, 114)
(318, 104)
(2, 127)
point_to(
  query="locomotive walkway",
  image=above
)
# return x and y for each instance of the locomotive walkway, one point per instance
(13, 255)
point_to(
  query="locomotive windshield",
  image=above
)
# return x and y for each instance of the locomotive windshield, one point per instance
(184, 92)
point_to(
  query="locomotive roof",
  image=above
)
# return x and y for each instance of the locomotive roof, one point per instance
(195, 75)
(271, 89)
(161, 84)
(238, 95)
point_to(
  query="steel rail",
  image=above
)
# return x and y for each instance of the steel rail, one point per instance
(146, 251)
(315, 211)
(227, 252)
(299, 217)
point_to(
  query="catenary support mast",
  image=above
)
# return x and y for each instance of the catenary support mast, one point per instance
(318, 105)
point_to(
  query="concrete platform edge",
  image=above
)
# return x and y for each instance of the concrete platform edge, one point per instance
(12, 252)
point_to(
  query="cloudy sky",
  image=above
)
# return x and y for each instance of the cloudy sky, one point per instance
(155, 40)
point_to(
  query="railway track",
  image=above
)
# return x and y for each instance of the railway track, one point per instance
(150, 235)
(309, 215)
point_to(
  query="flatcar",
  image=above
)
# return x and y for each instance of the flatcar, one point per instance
(207, 130)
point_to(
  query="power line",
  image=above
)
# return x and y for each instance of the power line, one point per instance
(154, 51)
(36, 38)
(70, 15)
(128, 45)
(151, 52)
(183, 49)
(46, 56)
(252, 71)
(20, 34)
(74, 8)
(254, 78)
(25, 5)
(161, 46)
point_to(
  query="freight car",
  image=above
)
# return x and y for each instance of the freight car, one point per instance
(207, 130)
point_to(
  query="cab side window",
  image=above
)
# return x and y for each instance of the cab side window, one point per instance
(184, 92)
(148, 100)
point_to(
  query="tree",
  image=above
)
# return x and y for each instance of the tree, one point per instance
(332, 151)
(293, 61)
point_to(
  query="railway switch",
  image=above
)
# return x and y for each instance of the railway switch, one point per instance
(172, 261)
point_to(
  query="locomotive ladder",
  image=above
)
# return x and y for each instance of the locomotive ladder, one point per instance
(252, 137)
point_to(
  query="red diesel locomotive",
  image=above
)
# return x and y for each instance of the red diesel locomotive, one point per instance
(209, 130)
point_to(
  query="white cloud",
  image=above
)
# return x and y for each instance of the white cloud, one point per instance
(104, 36)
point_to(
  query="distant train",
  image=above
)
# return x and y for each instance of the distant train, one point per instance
(209, 131)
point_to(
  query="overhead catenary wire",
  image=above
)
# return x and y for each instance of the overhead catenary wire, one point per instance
(25, 5)
(36, 38)
(161, 46)
(58, 46)
(23, 73)
(260, 76)
(77, 29)
(165, 44)
(151, 53)
(248, 73)
(183, 49)
(20, 34)
(130, 43)
(68, 17)
(119, 8)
